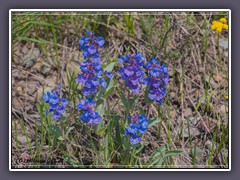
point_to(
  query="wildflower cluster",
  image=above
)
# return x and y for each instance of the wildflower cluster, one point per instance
(88, 114)
(92, 72)
(220, 25)
(57, 104)
(92, 76)
(90, 44)
(132, 72)
(136, 128)
(157, 80)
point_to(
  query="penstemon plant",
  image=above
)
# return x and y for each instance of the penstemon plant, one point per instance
(122, 135)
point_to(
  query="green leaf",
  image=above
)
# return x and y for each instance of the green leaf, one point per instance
(68, 131)
(110, 91)
(140, 149)
(141, 111)
(124, 100)
(154, 121)
(118, 133)
(118, 23)
(56, 131)
(146, 98)
(110, 83)
(162, 148)
(100, 109)
(60, 138)
(44, 24)
(110, 66)
(100, 93)
(133, 102)
(101, 131)
(157, 156)
(71, 161)
(172, 153)
(34, 40)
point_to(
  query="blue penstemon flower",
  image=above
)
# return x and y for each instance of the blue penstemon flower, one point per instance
(157, 80)
(92, 74)
(88, 114)
(57, 104)
(136, 128)
(90, 44)
(132, 72)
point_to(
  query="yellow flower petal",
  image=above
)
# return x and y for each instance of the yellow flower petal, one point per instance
(225, 26)
(213, 27)
(226, 97)
(223, 20)
(219, 29)
(214, 22)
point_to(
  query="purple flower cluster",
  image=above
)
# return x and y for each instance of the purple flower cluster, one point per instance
(88, 114)
(91, 68)
(57, 104)
(136, 128)
(90, 44)
(157, 80)
(132, 72)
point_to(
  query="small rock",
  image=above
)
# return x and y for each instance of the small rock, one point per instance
(37, 66)
(224, 109)
(193, 132)
(15, 73)
(208, 144)
(224, 83)
(226, 54)
(19, 90)
(30, 58)
(173, 94)
(22, 139)
(16, 104)
(223, 43)
(188, 112)
(213, 84)
(52, 61)
(31, 87)
(217, 78)
(199, 154)
(45, 70)
(193, 120)
(28, 63)
(24, 156)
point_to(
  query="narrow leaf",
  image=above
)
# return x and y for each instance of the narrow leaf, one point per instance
(56, 131)
(154, 121)
(124, 100)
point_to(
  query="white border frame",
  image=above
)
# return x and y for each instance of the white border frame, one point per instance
(116, 10)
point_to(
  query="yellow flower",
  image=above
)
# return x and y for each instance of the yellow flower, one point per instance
(219, 25)
(219, 29)
(225, 26)
(223, 20)
(213, 27)
(214, 22)
(226, 97)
